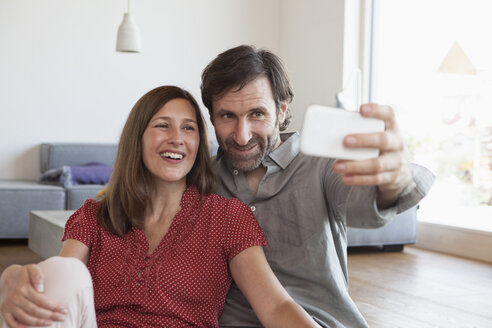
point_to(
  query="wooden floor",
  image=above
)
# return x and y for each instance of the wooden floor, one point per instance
(16, 252)
(419, 288)
(414, 288)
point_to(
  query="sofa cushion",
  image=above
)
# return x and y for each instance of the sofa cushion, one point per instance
(77, 195)
(56, 155)
(401, 230)
(90, 173)
(18, 198)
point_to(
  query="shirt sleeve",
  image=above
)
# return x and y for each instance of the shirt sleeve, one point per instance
(361, 208)
(82, 225)
(240, 229)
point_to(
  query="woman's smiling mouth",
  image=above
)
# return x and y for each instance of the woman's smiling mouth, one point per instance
(172, 155)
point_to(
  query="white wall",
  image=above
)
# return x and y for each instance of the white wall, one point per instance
(311, 45)
(61, 79)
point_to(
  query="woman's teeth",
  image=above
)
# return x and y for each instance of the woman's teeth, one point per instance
(172, 155)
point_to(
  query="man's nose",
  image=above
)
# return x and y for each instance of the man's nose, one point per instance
(242, 134)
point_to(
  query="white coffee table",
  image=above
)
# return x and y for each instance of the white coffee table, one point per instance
(46, 231)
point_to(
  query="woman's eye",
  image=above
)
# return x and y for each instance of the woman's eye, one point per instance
(162, 125)
(189, 128)
(226, 116)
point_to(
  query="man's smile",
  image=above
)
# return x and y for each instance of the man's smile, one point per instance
(245, 149)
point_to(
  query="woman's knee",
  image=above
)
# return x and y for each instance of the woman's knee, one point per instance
(64, 277)
(67, 281)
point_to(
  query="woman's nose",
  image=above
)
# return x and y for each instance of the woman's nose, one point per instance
(176, 137)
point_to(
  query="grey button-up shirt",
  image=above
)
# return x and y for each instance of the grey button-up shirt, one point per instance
(303, 208)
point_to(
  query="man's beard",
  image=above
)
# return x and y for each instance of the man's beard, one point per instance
(253, 160)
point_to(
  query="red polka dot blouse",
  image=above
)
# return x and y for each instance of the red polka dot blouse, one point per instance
(184, 282)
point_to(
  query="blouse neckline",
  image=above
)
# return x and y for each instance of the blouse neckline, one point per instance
(180, 227)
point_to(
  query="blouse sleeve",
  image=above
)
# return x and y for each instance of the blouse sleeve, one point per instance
(240, 229)
(82, 225)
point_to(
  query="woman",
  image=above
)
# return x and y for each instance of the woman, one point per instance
(159, 246)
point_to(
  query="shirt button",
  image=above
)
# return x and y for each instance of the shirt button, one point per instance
(235, 172)
(253, 208)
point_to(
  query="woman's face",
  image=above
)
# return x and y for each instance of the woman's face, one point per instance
(170, 142)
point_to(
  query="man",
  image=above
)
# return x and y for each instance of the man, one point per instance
(302, 203)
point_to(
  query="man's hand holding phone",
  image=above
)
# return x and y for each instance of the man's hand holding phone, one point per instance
(390, 170)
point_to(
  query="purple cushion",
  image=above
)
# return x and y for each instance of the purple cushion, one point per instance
(91, 173)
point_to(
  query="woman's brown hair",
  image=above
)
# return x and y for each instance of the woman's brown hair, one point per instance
(131, 184)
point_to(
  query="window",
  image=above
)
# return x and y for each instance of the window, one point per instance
(432, 62)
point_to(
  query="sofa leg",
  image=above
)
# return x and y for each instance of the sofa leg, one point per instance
(393, 248)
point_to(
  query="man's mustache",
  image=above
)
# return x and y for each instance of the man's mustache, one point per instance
(251, 143)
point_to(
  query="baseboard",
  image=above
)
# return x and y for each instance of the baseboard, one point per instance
(474, 244)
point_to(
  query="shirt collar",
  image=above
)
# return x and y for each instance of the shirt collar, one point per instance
(284, 154)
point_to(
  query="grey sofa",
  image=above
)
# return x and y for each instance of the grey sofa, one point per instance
(19, 197)
(400, 231)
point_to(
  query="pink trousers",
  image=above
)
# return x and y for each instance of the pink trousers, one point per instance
(68, 282)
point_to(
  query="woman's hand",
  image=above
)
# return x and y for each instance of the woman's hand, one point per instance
(22, 301)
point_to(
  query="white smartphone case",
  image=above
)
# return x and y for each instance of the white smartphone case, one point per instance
(324, 129)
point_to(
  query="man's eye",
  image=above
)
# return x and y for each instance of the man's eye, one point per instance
(258, 114)
(226, 116)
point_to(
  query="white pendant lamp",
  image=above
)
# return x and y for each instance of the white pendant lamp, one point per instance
(128, 34)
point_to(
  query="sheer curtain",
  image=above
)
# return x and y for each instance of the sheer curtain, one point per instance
(432, 61)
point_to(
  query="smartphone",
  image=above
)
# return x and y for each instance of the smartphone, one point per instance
(324, 129)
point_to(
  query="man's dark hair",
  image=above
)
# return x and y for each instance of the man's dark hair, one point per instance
(237, 67)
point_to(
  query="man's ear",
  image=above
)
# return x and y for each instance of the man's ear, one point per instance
(283, 112)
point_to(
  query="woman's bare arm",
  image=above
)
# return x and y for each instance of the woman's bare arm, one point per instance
(271, 303)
